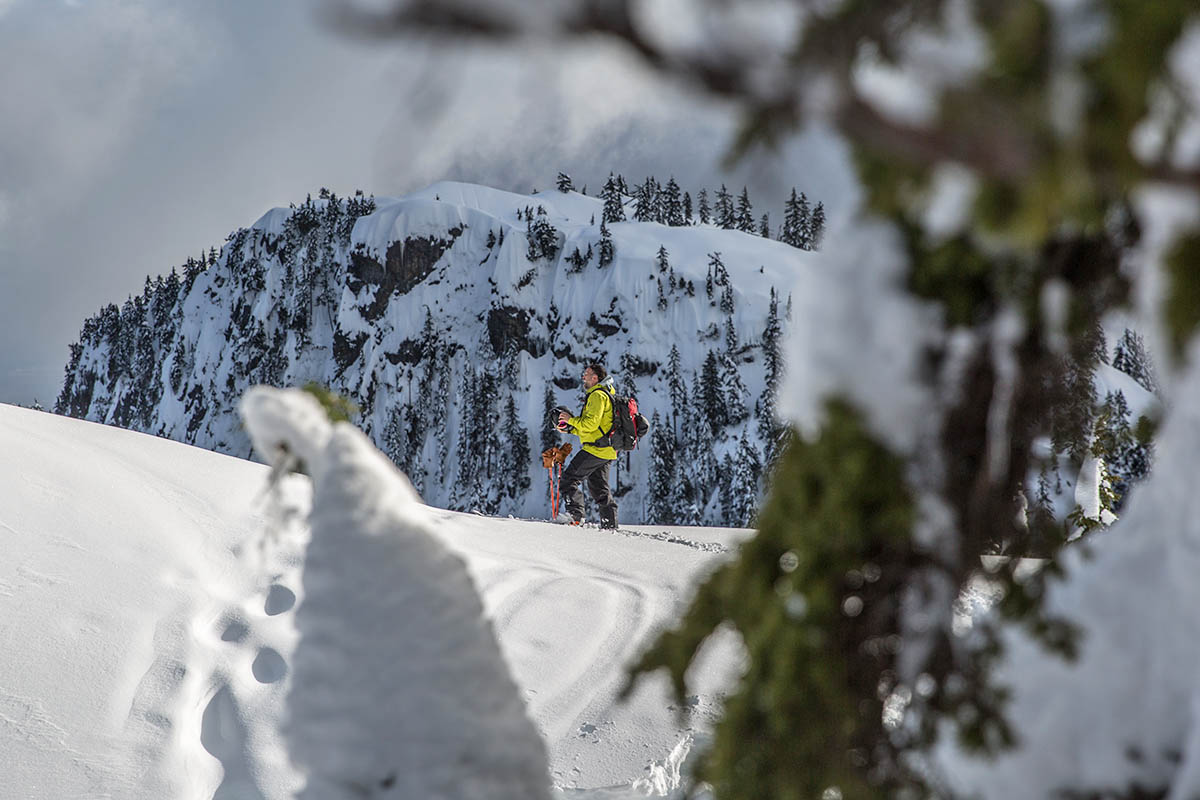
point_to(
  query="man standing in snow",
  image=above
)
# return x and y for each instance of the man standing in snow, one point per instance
(591, 463)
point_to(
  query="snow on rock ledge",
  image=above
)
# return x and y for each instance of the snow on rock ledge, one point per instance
(398, 682)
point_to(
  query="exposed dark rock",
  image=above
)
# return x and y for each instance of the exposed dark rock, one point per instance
(364, 270)
(608, 326)
(409, 352)
(638, 367)
(406, 264)
(566, 381)
(347, 349)
(508, 329)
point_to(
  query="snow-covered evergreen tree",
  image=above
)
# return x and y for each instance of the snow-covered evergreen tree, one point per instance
(1130, 356)
(614, 201)
(719, 272)
(703, 208)
(725, 216)
(769, 429)
(514, 456)
(816, 227)
(644, 201)
(607, 249)
(744, 216)
(733, 390)
(727, 304)
(564, 183)
(747, 468)
(710, 394)
(662, 472)
(672, 205)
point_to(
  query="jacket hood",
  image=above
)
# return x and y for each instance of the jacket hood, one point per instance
(607, 383)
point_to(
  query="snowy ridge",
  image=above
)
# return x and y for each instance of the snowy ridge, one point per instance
(438, 317)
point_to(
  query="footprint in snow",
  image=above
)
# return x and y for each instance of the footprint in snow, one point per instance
(234, 629)
(268, 666)
(279, 599)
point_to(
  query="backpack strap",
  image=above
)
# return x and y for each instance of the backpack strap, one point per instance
(605, 439)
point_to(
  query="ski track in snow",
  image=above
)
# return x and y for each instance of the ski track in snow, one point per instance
(571, 628)
(660, 536)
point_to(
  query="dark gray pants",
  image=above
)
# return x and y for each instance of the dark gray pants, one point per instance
(593, 469)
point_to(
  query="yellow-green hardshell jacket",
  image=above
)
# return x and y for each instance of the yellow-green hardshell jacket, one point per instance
(595, 421)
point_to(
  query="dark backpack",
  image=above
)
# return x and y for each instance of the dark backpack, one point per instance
(628, 425)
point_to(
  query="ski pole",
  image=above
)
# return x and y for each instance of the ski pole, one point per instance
(557, 489)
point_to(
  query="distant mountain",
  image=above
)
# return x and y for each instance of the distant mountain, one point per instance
(455, 318)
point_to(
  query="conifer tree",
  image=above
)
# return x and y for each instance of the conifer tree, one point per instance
(764, 226)
(614, 202)
(514, 457)
(662, 472)
(577, 260)
(727, 299)
(672, 206)
(703, 209)
(708, 285)
(658, 205)
(441, 416)
(731, 336)
(725, 489)
(719, 272)
(542, 238)
(768, 427)
(725, 216)
(607, 249)
(395, 444)
(1100, 351)
(676, 390)
(744, 483)
(706, 470)
(661, 259)
(643, 208)
(1130, 357)
(564, 183)
(816, 227)
(803, 224)
(712, 398)
(790, 232)
(744, 217)
(733, 390)
(687, 209)
(662, 298)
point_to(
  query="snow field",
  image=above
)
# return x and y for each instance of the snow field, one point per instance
(152, 602)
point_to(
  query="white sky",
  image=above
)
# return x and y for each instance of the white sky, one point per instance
(144, 131)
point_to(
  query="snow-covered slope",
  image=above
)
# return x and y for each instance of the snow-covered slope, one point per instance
(148, 602)
(435, 315)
